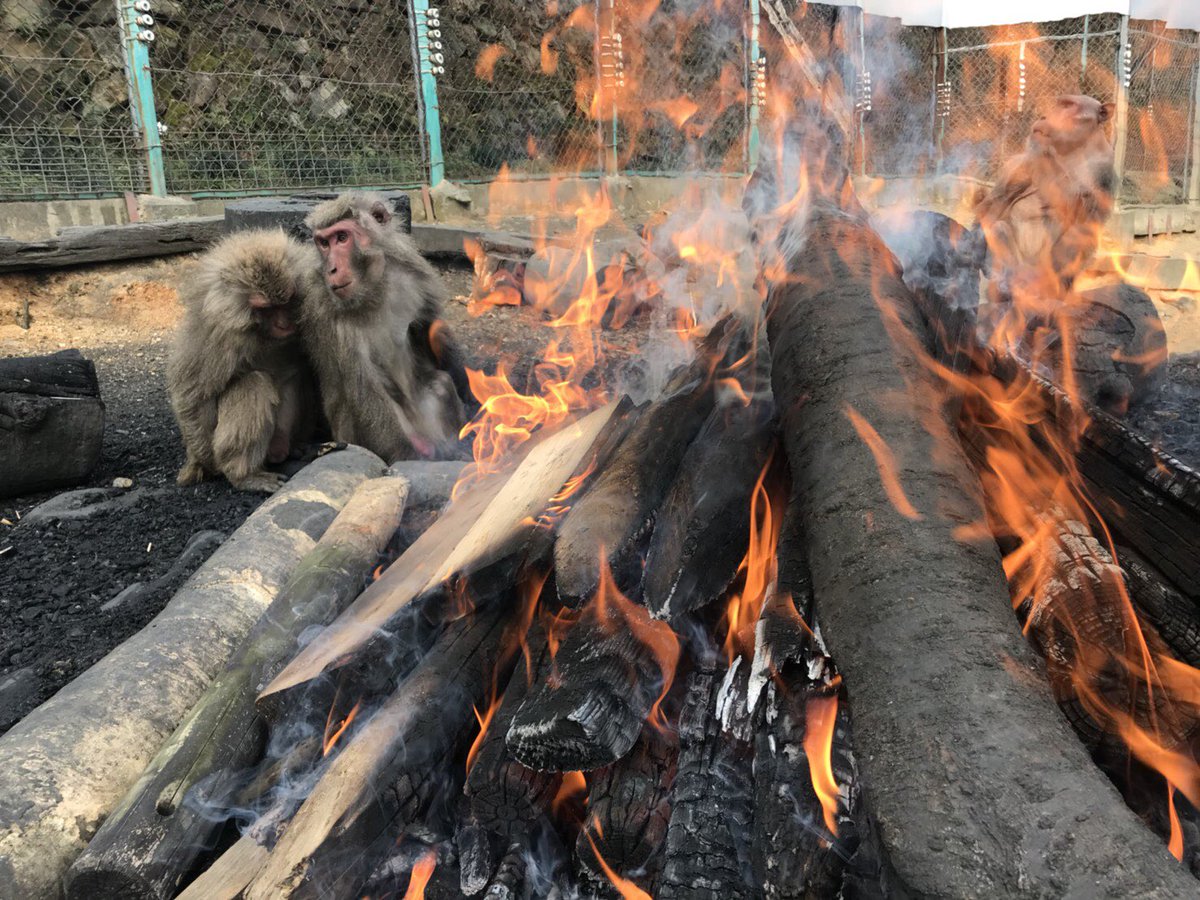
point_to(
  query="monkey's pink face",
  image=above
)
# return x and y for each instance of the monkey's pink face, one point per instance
(1069, 122)
(341, 246)
(276, 320)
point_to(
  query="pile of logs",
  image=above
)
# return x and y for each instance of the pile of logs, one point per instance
(609, 669)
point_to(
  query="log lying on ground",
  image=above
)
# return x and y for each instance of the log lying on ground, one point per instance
(487, 523)
(103, 243)
(288, 213)
(51, 421)
(628, 810)
(707, 854)
(951, 707)
(66, 765)
(155, 835)
(621, 503)
(391, 768)
(703, 527)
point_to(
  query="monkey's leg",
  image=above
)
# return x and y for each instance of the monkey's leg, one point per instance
(289, 416)
(246, 415)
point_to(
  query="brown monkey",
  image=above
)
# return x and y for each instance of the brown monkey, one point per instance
(241, 387)
(1043, 217)
(386, 364)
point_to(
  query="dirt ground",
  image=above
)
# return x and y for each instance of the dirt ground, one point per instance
(56, 578)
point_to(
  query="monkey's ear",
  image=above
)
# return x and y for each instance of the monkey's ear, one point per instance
(380, 213)
(1107, 110)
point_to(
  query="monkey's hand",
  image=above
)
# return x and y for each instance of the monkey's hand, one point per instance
(191, 473)
(329, 447)
(266, 482)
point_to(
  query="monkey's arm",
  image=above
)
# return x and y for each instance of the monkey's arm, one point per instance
(432, 339)
(200, 368)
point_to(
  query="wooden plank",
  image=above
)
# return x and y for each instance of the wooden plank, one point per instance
(90, 244)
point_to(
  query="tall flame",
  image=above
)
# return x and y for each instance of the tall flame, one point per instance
(820, 717)
(758, 570)
(421, 873)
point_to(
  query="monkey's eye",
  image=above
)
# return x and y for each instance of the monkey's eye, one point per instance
(342, 237)
(323, 243)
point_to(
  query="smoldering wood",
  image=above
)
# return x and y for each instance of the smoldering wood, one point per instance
(51, 421)
(620, 504)
(935, 643)
(707, 853)
(77, 245)
(492, 520)
(1175, 617)
(503, 800)
(73, 758)
(702, 528)
(628, 809)
(157, 831)
(391, 768)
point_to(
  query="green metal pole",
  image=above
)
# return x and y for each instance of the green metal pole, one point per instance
(426, 24)
(136, 37)
(756, 85)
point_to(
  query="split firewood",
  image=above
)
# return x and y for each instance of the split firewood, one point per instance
(392, 767)
(504, 800)
(606, 523)
(707, 853)
(703, 526)
(153, 837)
(490, 521)
(933, 643)
(628, 809)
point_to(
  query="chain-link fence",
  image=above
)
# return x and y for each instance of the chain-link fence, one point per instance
(267, 95)
(64, 102)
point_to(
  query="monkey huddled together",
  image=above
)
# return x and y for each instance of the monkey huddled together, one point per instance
(279, 338)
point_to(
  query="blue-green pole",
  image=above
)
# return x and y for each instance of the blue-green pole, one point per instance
(755, 84)
(427, 35)
(137, 35)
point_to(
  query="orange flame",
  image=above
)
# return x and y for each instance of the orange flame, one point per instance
(332, 735)
(758, 567)
(484, 721)
(573, 785)
(420, 876)
(1175, 844)
(885, 462)
(820, 717)
(626, 888)
(485, 64)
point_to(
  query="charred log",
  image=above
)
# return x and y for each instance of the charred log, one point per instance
(1176, 618)
(935, 643)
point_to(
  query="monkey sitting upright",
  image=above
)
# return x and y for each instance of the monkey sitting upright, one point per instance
(240, 385)
(387, 368)
(1042, 219)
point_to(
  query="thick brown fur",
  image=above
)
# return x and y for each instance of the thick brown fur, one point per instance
(1042, 219)
(240, 385)
(385, 362)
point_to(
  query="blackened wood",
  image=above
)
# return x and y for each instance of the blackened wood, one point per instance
(605, 524)
(590, 709)
(157, 832)
(628, 810)
(103, 243)
(503, 799)
(392, 768)
(919, 621)
(702, 529)
(62, 374)
(707, 852)
(1175, 617)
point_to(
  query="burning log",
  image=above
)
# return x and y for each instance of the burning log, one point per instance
(157, 832)
(629, 808)
(492, 520)
(504, 800)
(51, 421)
(392, 768)
(613, 664)
(1175, 617)
(604, 525)
(948, 699)
(708, 840)
(701, 531)
(74, 757)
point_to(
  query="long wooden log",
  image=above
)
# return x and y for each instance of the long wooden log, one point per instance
(103, 243)
(919, 621)
(1175, 617)
(153, 837)
(72, 759)
(707, 852)
(391, 768)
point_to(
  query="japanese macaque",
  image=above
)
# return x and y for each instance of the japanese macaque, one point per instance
(389, 373)
(1042, 219)
(241, 387)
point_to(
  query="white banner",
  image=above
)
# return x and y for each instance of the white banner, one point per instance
(972, 13)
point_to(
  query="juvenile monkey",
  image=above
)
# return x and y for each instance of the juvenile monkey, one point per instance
(240, 385)
(385, 361)
(1043, 217)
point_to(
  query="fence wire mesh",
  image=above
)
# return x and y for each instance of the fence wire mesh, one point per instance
(64, 102)
(269, 94)
(897, 128)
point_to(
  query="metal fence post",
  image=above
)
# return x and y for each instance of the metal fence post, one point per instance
(429, 62)
(1193, 189)
(136, 23)
(756, 87)
(1123, 73)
